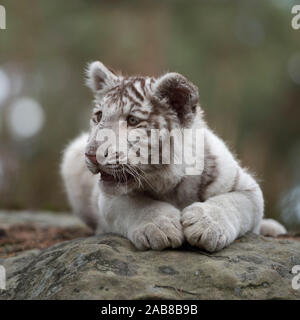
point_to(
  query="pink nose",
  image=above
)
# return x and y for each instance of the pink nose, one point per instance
(92, 158)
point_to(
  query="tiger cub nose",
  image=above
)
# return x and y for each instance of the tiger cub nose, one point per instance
(92, 158)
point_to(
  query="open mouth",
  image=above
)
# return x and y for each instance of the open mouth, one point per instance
(116, 177)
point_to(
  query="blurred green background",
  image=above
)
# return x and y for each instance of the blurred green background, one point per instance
(243, 55)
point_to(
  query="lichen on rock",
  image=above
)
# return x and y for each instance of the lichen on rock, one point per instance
(109, 267)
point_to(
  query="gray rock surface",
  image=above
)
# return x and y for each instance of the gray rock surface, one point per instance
(41, 218)
(109, 267)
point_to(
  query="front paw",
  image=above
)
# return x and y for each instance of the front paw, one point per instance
(163, 232)
(205, 226)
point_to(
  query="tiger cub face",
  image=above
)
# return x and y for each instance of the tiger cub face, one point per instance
(126, 111)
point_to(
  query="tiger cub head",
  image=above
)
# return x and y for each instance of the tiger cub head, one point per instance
(127, 110)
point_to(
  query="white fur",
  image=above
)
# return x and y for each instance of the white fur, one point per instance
(80, 183)
(149, 223)
(270, 227)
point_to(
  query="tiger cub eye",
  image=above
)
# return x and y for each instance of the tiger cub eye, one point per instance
(132, 121)
(97, 117)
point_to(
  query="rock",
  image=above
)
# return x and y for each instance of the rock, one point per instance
(109, 267)
(40, 218)
(20, 231)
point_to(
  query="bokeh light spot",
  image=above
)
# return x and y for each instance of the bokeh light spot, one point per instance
(26, 118)
(4, 86)
(250, 31)
(290, 205)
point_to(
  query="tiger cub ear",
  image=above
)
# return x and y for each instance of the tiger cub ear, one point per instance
(99, 77)
(179, 93)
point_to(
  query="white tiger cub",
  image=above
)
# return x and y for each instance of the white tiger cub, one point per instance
(158, 206)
